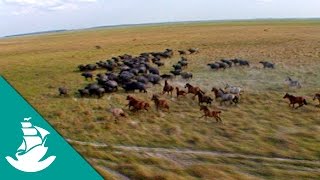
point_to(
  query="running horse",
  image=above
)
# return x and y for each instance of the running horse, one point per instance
(207, 113)
(224, 96)
(193, 90)
(295, 100)
(317, 96)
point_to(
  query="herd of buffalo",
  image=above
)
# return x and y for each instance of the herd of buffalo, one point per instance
(137, 73)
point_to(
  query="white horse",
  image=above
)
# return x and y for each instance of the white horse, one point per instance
(233, 89)
(293, 83)
(224, 96)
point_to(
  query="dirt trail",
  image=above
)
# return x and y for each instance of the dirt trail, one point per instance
(163, 151)
(186, 157)
(114, 173)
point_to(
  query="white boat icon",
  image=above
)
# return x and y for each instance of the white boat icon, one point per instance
(32, 149)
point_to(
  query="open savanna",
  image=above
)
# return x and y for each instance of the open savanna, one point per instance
(261, 125)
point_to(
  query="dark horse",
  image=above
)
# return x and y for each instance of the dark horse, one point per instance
(317, 96)
(203, 98)
(167, 88)
(295, 100)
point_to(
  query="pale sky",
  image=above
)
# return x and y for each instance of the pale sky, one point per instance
(25, 16)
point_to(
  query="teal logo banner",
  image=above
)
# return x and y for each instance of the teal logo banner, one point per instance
(30, 148)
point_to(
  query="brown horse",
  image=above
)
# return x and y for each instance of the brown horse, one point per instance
(132, 101)
(160, 103)
(167, 88)
(295, 100)
(193, 90)
(317, 96)
(137, 104)
(208, 113)
(142, 105)
(180, 92)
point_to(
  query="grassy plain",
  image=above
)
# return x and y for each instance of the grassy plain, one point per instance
(261, 125)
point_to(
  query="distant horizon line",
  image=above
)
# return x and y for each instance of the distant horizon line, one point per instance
(151, 23)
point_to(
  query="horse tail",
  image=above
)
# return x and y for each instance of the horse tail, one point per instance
(305, 102)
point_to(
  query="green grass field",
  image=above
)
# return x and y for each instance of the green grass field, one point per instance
(261, 125)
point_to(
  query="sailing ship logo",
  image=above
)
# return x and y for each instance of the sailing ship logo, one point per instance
(32, 149)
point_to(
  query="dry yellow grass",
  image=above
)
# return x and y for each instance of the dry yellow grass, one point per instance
(262, 124)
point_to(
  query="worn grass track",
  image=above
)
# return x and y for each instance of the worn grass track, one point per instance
(192, 152)
(261, 125)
